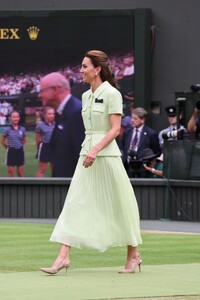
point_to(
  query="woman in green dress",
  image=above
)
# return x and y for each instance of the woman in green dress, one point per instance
(100, 209)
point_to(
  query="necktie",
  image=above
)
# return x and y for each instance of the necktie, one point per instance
(135, 140)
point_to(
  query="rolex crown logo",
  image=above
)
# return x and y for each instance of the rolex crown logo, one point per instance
(33, 32)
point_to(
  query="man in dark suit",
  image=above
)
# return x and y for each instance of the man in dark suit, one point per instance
(135, 139)
(69, 130)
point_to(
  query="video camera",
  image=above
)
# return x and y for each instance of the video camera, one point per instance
(132, 154)
(179, 134)
(135, 165)
(146, 162)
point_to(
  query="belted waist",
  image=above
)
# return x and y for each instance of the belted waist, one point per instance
(95, 132)
(92, 138)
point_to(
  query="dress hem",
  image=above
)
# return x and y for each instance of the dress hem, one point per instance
(94, 248)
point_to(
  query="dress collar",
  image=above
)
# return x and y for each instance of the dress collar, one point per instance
(100, 89)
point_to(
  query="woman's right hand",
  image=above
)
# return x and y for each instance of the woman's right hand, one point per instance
(90, 157)
(147, 168)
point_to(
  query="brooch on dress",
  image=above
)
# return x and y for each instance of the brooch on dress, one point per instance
(98, 100)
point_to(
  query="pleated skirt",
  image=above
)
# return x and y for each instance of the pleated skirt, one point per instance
(100, 210)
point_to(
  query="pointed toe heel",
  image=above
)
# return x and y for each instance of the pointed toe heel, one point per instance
(53, 271)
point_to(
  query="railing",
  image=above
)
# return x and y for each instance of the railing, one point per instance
(44, 197)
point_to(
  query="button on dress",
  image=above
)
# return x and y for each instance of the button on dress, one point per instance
(100, 210)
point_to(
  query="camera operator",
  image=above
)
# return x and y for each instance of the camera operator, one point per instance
(153, 163)
(135, 139)
(171, 132)
(194, 121)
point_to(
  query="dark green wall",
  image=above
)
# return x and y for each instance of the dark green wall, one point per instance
(175, 63)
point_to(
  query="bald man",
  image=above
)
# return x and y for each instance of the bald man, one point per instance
(69, 131)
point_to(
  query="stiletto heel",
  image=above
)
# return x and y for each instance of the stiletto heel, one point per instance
(140, 265)
(137, 262)
(67, 267)
(53, 271)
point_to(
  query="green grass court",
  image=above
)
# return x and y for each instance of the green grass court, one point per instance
(32, 249)
(171, 267)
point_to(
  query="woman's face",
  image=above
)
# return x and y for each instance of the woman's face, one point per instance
(14, 118)
(172, 120)
(153, 162)
(50, 115)
(88, 71)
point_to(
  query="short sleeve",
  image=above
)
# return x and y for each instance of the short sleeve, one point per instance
(115, 103)
(38, 128)
(5, 132)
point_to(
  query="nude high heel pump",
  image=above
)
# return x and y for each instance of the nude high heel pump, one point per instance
(53, 271)
(136, 263)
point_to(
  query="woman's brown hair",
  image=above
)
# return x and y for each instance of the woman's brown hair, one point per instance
(100, 59)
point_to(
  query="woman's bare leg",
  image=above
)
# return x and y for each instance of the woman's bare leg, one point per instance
(132, 254)
(133, 260)
(11, 171)
(62, 257)
(42, 169)
(62, 261)
(20, 171)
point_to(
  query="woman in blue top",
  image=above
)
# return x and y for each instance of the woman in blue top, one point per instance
(100, 210)
(13, 139)
(43, 132)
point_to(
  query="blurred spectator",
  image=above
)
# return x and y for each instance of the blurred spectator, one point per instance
(10, 108)
(4, 108)
(152, 163)
(2, 119)
(13, 140)
(43, 133)
(28, 82)
(194, 122)
(68, 133)
(129, 66)
(26, 86)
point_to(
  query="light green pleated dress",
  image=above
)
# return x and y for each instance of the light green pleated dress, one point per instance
(100, 209)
